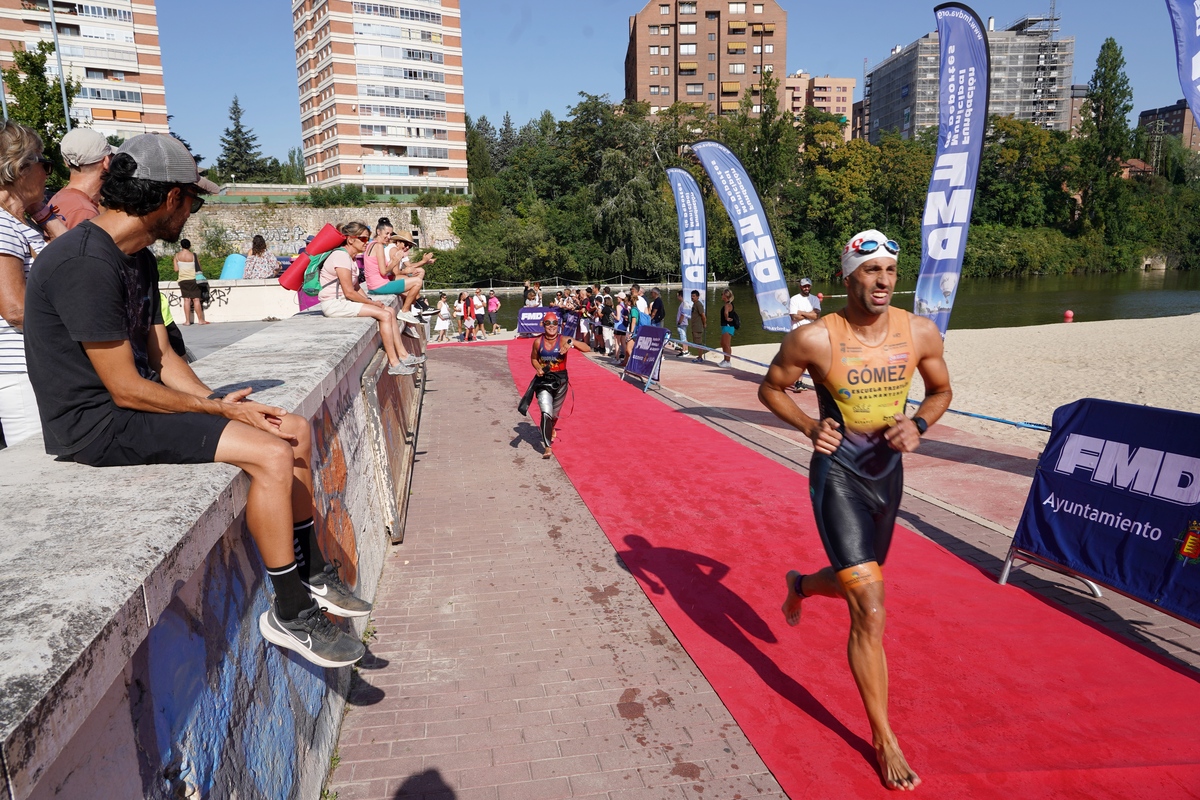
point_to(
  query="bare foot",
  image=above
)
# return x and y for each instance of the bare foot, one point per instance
(894, 770)
(791, 606)
(553, 435)
(548, 453)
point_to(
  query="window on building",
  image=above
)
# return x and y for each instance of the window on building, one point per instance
(737, 69)
(712, 95)
(665, 90)
(712, 76)
(695, 88)
(664, 10)
(687, 49)
(687, 29)
(737, 8)
(712, 37)
(712, 15)
(687, 8)
(687, 72)
(653, 90)
(95, 74)
(770, 48)
(654, 30)
(758, 8)
(665, 50)
(757, 49)
(666, 70)
(712, 56)
(653, 49)
(756, 108)
(654, 70)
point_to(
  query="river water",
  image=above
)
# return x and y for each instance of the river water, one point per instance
(991, 302)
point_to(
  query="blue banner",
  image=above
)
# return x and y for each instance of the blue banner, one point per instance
(963, 117)
(693, 236)
(647, 348)
(570, 323)
(1116, 498)
(745, 211)
(1185, 20)
(529, 320)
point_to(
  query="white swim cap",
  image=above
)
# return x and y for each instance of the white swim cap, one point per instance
(864, 247)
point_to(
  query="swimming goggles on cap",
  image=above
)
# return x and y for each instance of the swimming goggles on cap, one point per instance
(872, 246)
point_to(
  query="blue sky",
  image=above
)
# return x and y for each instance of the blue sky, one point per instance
(526, 56)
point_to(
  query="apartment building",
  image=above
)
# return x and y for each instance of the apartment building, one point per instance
(831, 95)
(1031, 79)
(110, 46)
(710, 53)
(381, 94)
(1174, 120)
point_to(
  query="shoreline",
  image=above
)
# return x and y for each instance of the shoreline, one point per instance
(1023, 374)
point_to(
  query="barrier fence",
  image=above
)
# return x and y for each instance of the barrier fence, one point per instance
(1034, 426)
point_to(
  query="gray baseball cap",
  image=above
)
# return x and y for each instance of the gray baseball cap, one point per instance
(805, 282)
(163, 158)
(83, 146)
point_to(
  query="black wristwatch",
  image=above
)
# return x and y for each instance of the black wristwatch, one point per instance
(921, 424)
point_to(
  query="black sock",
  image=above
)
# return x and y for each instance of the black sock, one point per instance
(308, 553)
(290, 595)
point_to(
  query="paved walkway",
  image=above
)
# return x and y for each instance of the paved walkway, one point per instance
(516, 658)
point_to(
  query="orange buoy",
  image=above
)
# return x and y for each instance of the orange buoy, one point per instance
(820, 296)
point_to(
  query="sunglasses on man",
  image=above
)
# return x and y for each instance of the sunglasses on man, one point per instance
(197, 200)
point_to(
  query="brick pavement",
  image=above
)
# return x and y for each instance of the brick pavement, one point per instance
(514, 656)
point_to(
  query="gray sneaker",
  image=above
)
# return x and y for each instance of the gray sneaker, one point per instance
(408, 316)
(401, 369)
(313, 636)
(412, 360)
(333, 595)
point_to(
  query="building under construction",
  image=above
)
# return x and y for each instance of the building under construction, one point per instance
(1031, 79)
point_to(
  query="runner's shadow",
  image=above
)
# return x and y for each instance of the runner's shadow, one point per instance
(694, 582)
(526, 432)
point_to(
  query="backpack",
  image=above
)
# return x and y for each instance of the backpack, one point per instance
(312, 274)
(736, 320)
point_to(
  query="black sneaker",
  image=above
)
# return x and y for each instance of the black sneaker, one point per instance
(313, 636)
(333, 595)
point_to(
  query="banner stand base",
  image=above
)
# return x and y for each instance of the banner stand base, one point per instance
(1015, 552)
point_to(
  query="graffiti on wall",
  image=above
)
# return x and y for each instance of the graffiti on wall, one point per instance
(212, 704)
(332, 460)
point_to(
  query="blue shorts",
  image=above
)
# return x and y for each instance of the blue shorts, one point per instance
(391, 287)
(728, 329)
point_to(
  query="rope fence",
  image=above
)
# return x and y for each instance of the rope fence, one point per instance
(1033, 426)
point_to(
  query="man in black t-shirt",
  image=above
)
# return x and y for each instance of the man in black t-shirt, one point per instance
(112, 392)
(658, 311)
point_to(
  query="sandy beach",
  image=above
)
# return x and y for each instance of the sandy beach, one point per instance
(1023, 374)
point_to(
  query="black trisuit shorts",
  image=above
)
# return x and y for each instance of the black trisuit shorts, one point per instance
(855, 515)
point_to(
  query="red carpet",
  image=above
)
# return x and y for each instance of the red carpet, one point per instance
(993, 692)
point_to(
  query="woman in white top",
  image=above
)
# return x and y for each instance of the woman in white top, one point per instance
(26, 222)
(189, 290)
(443, 318)
(341, 298)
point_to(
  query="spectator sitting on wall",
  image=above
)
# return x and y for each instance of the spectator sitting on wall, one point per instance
(112, 392)
(26, 222)
(407, 275)
(341, 298)
(87, 154)
(261, 263)
(381, 279)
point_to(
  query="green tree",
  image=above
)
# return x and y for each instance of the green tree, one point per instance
(182, 140)
(37, 103)
(240, 155)
(292, 171)
(1105, 140)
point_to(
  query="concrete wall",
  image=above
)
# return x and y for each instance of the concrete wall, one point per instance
(130, 659)
(238, 301)
(285, 227)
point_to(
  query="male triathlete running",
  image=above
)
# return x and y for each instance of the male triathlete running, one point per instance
(862, 360)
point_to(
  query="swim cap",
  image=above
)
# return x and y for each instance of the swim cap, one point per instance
(876, 246)
(549, 316)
